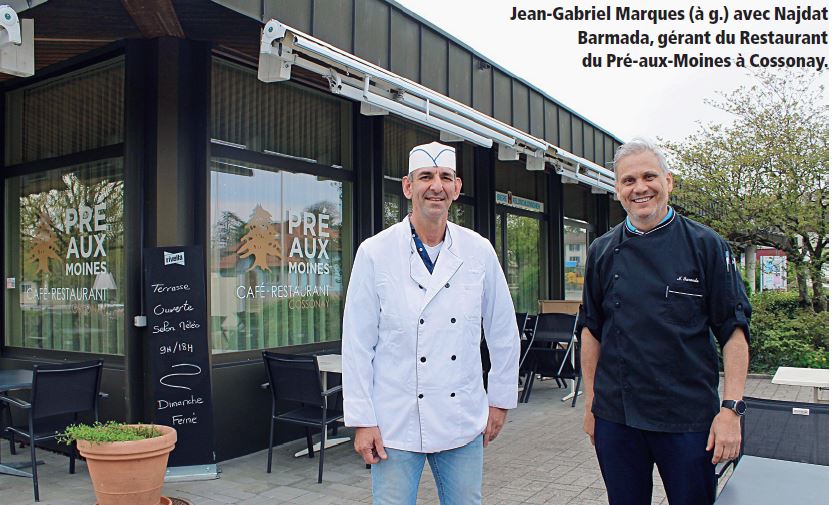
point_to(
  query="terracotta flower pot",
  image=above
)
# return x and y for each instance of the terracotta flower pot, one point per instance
(129, 473)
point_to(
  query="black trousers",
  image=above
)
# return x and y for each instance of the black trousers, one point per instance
(627, 457)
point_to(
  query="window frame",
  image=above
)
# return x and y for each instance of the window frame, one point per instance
(278, 163)
(102, 55)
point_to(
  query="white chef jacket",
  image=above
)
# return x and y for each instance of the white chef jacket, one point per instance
(411, 340)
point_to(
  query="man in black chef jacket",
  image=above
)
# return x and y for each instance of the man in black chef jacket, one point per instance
(659, 289)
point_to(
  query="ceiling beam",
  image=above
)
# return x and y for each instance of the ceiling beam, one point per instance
(155, 18)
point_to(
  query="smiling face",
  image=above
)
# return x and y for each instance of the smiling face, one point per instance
(432, 191)
(643, 188)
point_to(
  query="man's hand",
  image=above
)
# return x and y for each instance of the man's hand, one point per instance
(497, 416)
(724, 436)
(368, 443)
(590, 425)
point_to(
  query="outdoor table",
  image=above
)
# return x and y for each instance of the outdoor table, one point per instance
(818, 378)
(11, 380)
(765, 481)
(327, 363)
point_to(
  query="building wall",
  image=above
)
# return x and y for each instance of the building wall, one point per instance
(397, 40)
(192, 120)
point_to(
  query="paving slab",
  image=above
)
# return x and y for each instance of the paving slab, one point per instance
(541, 457)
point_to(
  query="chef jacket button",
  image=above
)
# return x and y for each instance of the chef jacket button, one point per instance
(627, 387)
(616, 250)
(453, 357)
(447, 285)
(453, 395)
(423, 359)
(421, 321)
(420, 287)
(740, 306)
(420, 396)
(617, 304)
(453, 320)
(615, 276)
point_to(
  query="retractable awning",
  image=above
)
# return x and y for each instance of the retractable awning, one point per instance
(381, 91)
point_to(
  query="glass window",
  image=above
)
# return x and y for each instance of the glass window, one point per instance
(576, 241)
(392, 208)
(283, 119)
(579, 203)
(522, 261)
(520, 235)
(64, 259)
(76, 112)
(281, 249)
(513, 177)
(400, 136)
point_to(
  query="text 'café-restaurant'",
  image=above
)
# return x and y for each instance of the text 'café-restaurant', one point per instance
(274, 148)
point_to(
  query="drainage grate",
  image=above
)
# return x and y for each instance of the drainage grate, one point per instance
(179, 501)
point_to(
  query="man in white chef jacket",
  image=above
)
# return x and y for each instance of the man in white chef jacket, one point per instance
(413, 384)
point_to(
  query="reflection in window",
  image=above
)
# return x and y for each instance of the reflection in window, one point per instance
(522, 261)
(64, 256)
(575, 245)
(391, 209)
(281, 248)
(462, 214)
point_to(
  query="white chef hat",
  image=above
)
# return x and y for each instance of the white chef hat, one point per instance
(432, 155)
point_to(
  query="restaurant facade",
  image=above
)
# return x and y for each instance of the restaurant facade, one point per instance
(150, 124)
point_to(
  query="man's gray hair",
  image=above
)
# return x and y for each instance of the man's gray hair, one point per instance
(638, 146)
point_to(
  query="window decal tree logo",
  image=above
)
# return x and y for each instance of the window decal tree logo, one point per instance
(261, 241)
(44, 245)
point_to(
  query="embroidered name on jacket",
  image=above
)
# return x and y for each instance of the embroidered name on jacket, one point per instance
(688, 279)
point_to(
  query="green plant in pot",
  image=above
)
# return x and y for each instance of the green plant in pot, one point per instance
(126, 462)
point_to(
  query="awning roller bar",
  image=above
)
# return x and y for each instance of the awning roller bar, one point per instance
(349, 76)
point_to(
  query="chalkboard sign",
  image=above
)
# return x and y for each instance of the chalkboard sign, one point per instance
(177, 346)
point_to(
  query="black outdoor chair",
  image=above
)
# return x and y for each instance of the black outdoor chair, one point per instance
(785, 430)
(5, 422)
(485, 360)
(294, 378)
(550, 353)
(59, 394)
(527, 333)
(791, 431)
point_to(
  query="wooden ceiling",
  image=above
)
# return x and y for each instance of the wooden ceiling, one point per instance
(68, 28)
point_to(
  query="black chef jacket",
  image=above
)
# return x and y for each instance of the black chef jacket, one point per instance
(651, 300)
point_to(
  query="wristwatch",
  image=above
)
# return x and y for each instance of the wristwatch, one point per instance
(736, 406)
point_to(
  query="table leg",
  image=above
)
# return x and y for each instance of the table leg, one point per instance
(331, 442)
(573, 391)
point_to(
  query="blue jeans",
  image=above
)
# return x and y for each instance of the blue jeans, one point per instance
(458, 474)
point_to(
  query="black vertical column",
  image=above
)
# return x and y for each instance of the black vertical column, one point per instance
(484, 181)
(140, 81)
(555, 197)
(602, 214)
(180, 142)
(368, 140)
(176, 150)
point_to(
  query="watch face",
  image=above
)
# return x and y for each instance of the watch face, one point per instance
(740, 407)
